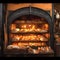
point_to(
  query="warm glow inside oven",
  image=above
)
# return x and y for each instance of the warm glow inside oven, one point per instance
(32, 35)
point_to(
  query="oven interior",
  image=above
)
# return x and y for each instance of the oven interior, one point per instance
(29, 34)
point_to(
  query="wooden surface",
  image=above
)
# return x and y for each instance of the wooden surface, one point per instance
(44, 6)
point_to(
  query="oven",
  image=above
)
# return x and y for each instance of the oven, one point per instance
(29, 31)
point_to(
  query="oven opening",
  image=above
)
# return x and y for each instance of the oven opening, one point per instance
(29, 34)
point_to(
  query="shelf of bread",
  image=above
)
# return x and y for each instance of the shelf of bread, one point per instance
(23, 45)
(29, 38)
(31, 49)
(15, 28)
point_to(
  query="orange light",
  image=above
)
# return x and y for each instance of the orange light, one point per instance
(38, 29)
(35, 51)
(14, 44)
(41, 38)
(47, 35)
(33, 27)
(46, 26)
(39, 48)
(43, 44)
(13, 26)
(47, 48)
(29, 25)
(17, 37)
(17, 29)
(24, 26)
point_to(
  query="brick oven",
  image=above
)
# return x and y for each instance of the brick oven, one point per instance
(29, 30)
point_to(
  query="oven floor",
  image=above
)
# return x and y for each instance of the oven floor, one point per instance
(29, 55)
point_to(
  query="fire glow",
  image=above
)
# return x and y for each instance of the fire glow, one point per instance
(31, 37)
(23, 41)
(28, 28)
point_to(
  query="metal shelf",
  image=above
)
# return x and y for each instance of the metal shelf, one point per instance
(29, 41)
(29, 22)
(29, 32)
